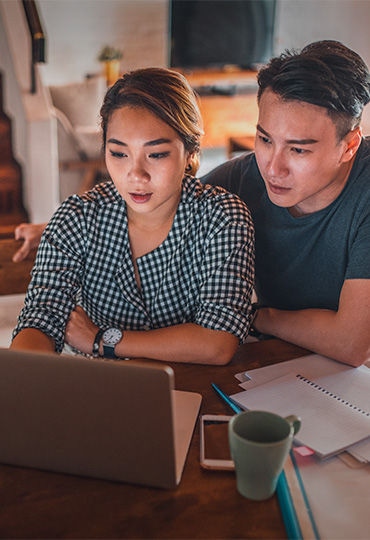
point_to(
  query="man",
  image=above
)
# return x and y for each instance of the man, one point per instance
(308, 188)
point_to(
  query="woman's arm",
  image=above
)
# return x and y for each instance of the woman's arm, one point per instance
(187, 342)
(32, 339)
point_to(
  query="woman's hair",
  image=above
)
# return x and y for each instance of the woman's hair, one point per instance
(165, 93)
(325, 73)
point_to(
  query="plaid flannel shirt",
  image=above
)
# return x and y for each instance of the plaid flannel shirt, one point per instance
(202, 273)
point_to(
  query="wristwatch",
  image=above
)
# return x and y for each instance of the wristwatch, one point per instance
(111, 337)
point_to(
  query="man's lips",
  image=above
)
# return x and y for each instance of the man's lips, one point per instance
(140, 198)
(278, 190)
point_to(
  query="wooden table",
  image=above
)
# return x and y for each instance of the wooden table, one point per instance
(39, 504)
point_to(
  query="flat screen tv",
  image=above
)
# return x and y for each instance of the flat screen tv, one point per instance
(219, 33)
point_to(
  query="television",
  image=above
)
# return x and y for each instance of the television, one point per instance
(219, 33)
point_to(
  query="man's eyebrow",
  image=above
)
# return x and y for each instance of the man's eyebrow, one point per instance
(289, 141)
(155, 142)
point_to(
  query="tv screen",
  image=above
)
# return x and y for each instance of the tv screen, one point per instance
(218, 33)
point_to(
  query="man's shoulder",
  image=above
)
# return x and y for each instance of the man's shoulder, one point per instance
(237, 175)
(230, 168)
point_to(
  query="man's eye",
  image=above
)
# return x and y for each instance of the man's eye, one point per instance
(264, 139)
(299, 150)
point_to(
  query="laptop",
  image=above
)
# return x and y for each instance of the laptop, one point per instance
(114, 420)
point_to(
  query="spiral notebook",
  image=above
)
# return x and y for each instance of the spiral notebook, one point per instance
(333, 407)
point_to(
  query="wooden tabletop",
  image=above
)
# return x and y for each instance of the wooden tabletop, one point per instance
(206, 504)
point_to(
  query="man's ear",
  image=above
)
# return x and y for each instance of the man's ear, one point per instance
(352, 141)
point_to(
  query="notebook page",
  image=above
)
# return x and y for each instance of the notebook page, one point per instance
(328, 424)
(361, 451)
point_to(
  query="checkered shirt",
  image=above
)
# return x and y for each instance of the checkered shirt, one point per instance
(202, 273)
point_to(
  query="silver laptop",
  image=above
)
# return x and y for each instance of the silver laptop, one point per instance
(115, 420)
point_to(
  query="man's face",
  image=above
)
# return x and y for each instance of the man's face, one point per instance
(303, 164)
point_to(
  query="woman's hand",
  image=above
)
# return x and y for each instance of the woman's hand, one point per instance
(80, 331)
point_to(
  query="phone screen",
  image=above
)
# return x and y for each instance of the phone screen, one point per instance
(215, 451)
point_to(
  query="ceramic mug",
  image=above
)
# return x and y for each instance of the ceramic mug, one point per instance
(259, 443)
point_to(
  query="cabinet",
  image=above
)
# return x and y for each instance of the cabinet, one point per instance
(228, 103)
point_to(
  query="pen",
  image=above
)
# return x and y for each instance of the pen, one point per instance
(226, 399)
(282, 490)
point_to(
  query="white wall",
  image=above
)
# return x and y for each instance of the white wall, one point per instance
(300, 22)
(33, 139)
(78, 29)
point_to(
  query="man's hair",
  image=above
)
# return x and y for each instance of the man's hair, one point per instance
(324, 73)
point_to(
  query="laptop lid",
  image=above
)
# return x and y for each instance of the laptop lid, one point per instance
(115, 420)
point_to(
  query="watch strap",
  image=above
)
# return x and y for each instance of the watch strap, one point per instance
(108, 351)
(96, 344)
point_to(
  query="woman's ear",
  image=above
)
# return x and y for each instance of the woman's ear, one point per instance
(352, 140)
(192, 164)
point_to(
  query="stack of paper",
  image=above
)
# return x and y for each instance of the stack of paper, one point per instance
(332, 400)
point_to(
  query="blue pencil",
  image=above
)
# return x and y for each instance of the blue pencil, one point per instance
(226, 398)
(282, 490)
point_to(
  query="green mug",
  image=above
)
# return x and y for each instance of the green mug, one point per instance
(259, 443)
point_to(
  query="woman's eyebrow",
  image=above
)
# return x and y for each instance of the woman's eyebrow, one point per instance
(154, 142)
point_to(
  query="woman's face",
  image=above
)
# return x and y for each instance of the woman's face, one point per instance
(146, 160)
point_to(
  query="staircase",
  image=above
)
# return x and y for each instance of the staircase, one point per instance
(12, 210)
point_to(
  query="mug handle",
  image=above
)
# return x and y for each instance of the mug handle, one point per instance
(294, 421)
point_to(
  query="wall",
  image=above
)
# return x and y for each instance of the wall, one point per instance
(78, 29)
(33, 130)
(301, 21)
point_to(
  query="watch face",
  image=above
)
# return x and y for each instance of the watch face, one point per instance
(112, 336)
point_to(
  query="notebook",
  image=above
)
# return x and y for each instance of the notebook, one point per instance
(332, 400)
(114, 420)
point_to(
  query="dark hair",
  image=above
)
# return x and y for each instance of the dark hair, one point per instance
(164, 92)
(325, 73)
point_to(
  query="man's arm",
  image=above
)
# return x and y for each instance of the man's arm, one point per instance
(343, 335)
(31, 234)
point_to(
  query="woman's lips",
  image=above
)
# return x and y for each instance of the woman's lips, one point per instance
(140, 198)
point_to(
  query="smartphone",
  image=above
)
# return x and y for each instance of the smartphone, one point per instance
(214, 442)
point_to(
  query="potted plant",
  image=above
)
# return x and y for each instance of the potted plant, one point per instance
(111, 58)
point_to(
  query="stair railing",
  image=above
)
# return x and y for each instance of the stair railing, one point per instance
(37, 38)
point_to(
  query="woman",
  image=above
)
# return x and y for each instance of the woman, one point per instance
(161, 263)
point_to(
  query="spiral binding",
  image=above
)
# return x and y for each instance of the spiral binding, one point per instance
(331, 394)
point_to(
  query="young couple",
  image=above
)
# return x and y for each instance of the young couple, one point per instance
(306, 186)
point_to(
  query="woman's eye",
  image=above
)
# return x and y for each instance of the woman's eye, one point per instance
(117, 154)
(159, 155)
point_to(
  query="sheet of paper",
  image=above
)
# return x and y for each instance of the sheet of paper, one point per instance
(329, 424)
(339, 497)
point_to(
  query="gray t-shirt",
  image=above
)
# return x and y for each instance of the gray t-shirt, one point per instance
(303, 262)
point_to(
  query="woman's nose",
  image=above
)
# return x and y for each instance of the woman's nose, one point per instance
(138, 172)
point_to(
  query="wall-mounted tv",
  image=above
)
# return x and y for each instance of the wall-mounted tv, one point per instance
(218, 33)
